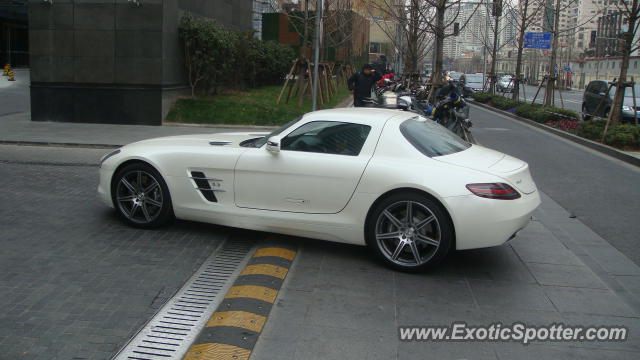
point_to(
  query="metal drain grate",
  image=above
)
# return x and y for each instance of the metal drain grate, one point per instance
(171, 331)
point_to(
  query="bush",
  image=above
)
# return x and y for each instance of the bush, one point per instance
(623, 136)
(592, 129)
(216, 56)
(504, 103)
(482, 96)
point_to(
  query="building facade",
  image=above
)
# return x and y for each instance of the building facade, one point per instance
(14, 35)
(114, 61)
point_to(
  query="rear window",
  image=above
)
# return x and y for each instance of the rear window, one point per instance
(430, 138)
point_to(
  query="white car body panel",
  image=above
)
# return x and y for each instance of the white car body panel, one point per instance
(328, 196)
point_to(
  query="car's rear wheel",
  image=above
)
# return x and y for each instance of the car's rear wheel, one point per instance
(141, 196)
(410, 231)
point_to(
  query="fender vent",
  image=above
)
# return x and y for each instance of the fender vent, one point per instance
(203, 185)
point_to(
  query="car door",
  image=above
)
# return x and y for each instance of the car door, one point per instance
(316, 170)
(591, 97)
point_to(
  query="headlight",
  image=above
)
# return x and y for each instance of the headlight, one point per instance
(104, 158)
(627, 108)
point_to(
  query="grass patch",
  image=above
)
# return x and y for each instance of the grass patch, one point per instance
(252, 107)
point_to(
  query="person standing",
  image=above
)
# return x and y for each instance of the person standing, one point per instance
(361, 84)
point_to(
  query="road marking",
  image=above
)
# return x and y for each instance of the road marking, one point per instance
(233, 330)
(243, 319)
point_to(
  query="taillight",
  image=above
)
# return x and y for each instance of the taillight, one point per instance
(500, 191)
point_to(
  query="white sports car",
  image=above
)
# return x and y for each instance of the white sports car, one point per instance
(399, 183)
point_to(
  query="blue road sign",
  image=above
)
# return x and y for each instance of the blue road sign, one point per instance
(537, 40)
(567, 68)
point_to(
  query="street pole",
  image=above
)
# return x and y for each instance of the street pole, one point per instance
(484, 48)
(316, 55)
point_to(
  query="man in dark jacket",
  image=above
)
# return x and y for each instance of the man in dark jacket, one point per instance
(362, 83)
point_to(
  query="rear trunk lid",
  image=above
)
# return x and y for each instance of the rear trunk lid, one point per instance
(493, 162)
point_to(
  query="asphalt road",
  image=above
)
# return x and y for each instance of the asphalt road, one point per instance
(602, 192)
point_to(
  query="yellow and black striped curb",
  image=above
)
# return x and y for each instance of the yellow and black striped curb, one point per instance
(233, 330)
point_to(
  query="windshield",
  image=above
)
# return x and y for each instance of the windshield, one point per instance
(455, 75)
(430, 138)
(263, 140)
(474, 78)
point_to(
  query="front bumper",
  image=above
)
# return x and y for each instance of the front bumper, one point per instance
(104, 187)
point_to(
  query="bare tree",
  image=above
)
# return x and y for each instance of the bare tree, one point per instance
(630, 10)
(526, 16)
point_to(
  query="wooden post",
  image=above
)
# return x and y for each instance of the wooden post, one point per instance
(286, 82)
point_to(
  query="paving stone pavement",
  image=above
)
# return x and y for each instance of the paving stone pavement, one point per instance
(337, 303)
(75, 282)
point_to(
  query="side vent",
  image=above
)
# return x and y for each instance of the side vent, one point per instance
(204, 186)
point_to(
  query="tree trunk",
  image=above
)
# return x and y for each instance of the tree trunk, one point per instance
(303, 53)
(436, 79)
(551, 82)
(516, 80)
(494, 54)
(616, 106)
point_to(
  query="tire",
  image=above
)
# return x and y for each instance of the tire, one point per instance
(141, 196)
(395, 241)
(585, 117)
(469, 137)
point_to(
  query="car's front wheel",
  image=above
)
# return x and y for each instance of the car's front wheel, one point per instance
(141, 196)
(410, 231)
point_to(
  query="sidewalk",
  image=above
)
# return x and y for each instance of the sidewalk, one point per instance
(18, 128)
(338, 304)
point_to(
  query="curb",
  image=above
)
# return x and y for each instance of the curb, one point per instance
(52, 144)
(604, 149)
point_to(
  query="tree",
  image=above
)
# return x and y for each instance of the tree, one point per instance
(525, 17)
(630, 10)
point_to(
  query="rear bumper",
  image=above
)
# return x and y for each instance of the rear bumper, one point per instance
(481, 222)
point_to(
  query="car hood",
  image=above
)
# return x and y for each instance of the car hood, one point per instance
(215, 139)
(493, 162)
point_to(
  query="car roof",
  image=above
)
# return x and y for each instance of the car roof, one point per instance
(359, 115)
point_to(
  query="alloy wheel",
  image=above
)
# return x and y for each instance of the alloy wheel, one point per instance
(139, 196)
(408, 233)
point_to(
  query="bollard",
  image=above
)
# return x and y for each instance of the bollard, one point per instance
(5, 69)
(11, 77)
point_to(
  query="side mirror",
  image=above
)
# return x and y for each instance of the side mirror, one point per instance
(273, 144)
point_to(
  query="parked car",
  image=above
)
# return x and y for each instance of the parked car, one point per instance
(597, 91)
(400, 183)
(455, 76)
(505, 84)
(473, 81)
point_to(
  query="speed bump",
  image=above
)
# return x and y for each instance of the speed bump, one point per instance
(233, 330)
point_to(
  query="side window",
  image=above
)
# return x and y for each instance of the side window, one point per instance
(592, 87)
(327, 137)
